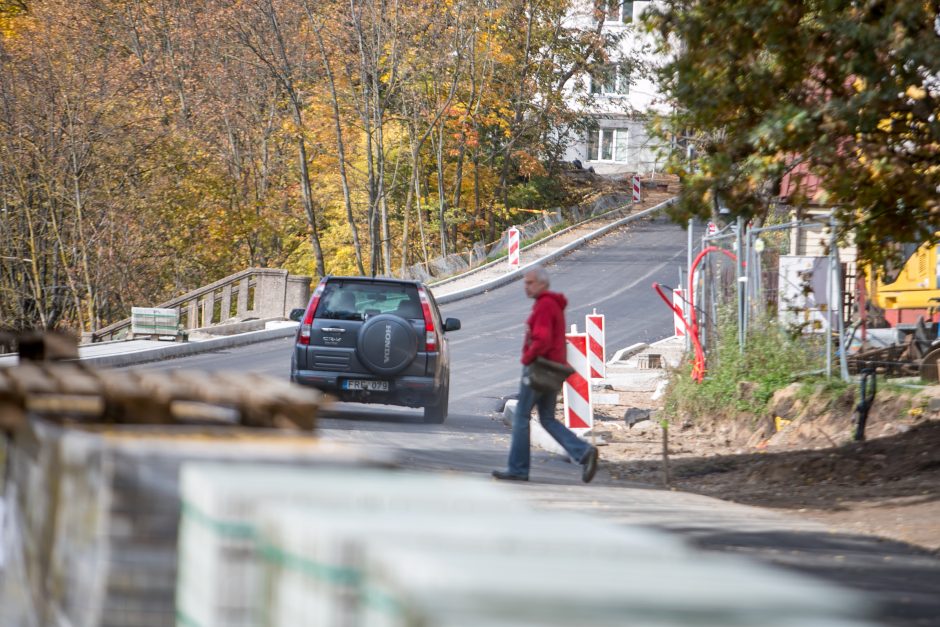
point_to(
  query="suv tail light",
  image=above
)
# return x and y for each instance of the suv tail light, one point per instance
(430, 341)
(307, 324)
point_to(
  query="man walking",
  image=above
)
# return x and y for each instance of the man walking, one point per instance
(545, 337)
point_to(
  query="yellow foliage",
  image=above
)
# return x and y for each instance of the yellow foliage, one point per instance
(916, 92)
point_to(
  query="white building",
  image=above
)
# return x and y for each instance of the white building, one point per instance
(619, 103)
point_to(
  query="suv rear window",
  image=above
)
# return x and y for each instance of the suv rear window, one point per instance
(356, 300)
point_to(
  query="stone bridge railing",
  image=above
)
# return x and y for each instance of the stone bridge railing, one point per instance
(255, 293)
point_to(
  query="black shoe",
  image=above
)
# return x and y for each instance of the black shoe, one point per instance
(505, 476)
(590, 465)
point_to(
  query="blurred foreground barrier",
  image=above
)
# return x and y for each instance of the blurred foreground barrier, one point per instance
(290, 547)
(92, 492)
(317, 559)
(220, 575)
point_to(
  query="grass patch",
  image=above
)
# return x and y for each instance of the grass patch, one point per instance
(742, 382)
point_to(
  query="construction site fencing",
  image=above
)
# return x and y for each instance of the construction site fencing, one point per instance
(791, 273)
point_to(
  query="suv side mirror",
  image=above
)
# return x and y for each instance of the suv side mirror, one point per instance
(297, 314)
(451, 324)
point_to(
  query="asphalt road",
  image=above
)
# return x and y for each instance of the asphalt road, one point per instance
(613, 275)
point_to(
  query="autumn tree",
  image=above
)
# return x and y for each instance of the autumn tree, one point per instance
(847, 89)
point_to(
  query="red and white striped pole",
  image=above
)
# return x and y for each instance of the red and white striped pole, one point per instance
(579, 410)
(513, 246)
(679, 301)
(597, 357)
(636, 189)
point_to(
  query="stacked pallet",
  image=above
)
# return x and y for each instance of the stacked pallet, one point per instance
(317, 558)
(220, 577)
(92, 489)
(68, 391)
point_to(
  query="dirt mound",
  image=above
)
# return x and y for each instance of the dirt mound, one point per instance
(800, 457)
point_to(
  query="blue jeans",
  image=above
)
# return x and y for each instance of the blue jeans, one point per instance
(519, 453)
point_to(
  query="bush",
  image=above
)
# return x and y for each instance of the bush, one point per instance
(738, 381)
(538, 192)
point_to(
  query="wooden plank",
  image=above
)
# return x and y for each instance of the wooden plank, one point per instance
(29, 378)
(72, 378)
(273, 403)
(8, 391)
(128, 401)
(66, 404)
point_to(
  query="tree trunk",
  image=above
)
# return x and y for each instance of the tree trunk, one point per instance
(441, 198)
(340, 148)
(305, 188)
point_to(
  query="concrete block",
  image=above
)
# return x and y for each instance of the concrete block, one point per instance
(509, 411)
(635, 380)
(540, 438)
(660, 390)
(626, 353)
(605, 398)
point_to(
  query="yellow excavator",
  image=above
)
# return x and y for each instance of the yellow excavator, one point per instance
(907, 297)
(911, 290)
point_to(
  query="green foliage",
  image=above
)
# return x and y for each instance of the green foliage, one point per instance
(539, 192)
(738, 381)
(842, 91)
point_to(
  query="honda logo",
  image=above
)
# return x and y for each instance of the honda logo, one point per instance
(388, 343)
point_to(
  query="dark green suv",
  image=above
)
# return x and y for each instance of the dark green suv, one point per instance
(375, 340)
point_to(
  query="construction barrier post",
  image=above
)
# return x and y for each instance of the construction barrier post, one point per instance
(579, 410)
(513, 246)
(636, 189)
(679, 301)
(597, 354)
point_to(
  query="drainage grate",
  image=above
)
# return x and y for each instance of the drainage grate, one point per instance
(650, 361)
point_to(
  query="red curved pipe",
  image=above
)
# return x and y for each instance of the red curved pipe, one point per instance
(701, 255)
(698, 366)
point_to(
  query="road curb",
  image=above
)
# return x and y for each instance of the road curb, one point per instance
(518, 274)
(187, 348)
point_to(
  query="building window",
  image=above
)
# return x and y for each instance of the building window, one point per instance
(617, 11)
(608, 144)
(612, 78)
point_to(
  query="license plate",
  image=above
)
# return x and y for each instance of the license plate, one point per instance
(365, 384)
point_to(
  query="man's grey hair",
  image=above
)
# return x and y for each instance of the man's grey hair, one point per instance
(540, 274)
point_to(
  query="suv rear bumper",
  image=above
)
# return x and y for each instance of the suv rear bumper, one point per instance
(408, 391)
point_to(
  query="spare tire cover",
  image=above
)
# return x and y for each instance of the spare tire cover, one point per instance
(387, 344)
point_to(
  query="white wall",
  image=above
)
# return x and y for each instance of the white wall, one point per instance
(627, 113)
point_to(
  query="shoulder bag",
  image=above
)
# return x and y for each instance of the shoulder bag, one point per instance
(546, 375)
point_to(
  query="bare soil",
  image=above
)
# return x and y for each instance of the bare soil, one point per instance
(804, 463)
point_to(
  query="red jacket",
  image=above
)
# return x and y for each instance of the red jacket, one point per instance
(545, 336)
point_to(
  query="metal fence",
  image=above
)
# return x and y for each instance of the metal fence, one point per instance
(484, 252)
(790, 272)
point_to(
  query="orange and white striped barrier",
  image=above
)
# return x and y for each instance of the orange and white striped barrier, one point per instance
(678, 299)
(579, 411)
(513, 245)
(636, 189)
(597, 355)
